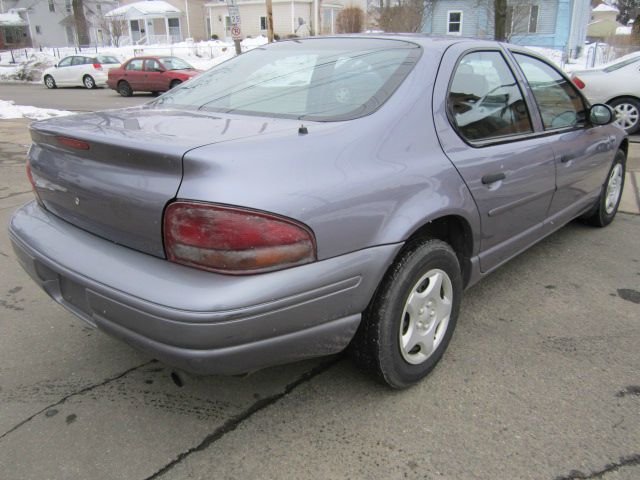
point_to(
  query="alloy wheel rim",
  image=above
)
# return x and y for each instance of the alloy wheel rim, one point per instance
(627, 115)
(49, 82)
(88, 82)
(425, 316)
(614, 189)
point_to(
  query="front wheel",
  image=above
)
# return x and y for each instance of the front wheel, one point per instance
(50, 82)
(409, 323)
(174, 84)
(89, 82)
(627, 113)
(611, 194)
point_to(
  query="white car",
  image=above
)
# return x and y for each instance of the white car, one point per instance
(618, 85)
(89, 71)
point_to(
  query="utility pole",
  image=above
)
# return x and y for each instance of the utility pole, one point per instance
(270, 21)
(236, 33)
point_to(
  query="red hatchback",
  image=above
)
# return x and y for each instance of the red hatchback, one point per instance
(150, 74)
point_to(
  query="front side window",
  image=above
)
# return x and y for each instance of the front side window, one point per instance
(560, 104)
(454, 23)
(78, 61)
(65, 62)
(484, 99)
(321, 80)
(135, 65)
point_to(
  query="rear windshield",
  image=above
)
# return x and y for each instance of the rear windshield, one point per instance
(106, 59)
(173, 63)
(623, 63)
(314, 79)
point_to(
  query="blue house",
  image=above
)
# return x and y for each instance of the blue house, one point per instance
(555, 24)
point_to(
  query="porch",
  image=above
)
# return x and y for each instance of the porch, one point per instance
(148, 22)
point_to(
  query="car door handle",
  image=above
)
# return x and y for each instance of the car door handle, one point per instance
(567, 158)
(493, 177)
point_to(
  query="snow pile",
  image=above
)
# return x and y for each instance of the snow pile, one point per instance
(29, 69)
(11, 20)
(249, 43)
(8, 109)
(148, 7)
(556, 56)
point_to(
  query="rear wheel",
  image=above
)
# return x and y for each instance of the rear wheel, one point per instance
(124, 88)
(89, 82)
(50, 82)
(175, 83)
(609, 200)
(627, 113)
(409, 323)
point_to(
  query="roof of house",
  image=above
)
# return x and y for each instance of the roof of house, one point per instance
(150, 7)
(603, 7)
(11, 20)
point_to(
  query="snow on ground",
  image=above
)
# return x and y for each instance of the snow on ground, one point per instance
(8, 109)
(202, 55)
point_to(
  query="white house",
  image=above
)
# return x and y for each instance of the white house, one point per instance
(153, 21)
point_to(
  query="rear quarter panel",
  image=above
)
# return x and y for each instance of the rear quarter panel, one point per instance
(360, 183)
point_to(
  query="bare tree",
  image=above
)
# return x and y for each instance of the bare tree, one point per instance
(80, 20)
(510, 17)
(350, 20)
(635, 31)
(628, 10)
(405, 16)
(116, 27)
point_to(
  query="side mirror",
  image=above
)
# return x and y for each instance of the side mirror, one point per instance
(601, 114)
(56, 65)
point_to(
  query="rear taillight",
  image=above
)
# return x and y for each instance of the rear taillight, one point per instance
(97, 66)
(233, 240)
(32, 182)
(578, 83)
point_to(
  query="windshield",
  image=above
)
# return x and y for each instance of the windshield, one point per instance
(623, 63)
(174, 63)
(322, 80)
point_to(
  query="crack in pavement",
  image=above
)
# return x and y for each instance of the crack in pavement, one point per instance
(612, 467)
(79, 392)
(234, 422)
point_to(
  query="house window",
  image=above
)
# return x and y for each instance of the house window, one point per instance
(52, 7)
(38, 31)
(99, 8)
(67, 6)
(522, 19)
(263, 23)
(454, 22)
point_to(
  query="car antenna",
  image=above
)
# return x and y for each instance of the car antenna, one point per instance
(303, 130)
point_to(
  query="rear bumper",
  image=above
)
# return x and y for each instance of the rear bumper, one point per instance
(195, 320)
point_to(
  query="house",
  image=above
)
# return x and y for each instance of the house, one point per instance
(185, 19)
(603, 23)
(51, 23)
(14, 31)
(555, 24)
(290, 17)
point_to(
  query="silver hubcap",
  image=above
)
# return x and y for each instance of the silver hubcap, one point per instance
(626, 115)
(425, 316)
(88, 82)
(614, 189)
(49, 82)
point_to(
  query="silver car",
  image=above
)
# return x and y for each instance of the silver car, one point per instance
(312, 195)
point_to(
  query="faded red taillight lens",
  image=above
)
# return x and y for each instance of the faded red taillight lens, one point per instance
(73, 143)
(97, 66)
(578, 83)
(233, 240)
(32, 182)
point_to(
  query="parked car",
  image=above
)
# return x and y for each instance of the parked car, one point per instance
(618, 85)
(314, 194)
(80, 70)
(150, 74)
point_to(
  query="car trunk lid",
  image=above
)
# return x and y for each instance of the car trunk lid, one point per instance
(118, 187)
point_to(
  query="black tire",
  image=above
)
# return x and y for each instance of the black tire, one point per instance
(50, 82)
(124, 88)
(88, 82)
(376, 346)
(602, 214)
(155, 94)
(174, 84)
(628, 103)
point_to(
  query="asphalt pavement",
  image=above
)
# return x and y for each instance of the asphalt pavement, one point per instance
(77, 99)
(541, 381)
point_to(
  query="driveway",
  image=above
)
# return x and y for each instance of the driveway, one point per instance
(541, 381)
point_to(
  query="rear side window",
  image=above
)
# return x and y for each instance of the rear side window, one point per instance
(560, 104)
(106, 59)
(484, 99)
(152, 66)
(135, 65)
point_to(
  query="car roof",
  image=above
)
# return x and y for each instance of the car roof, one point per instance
(423, 39)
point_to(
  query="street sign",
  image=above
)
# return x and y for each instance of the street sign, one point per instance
(236, 33)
